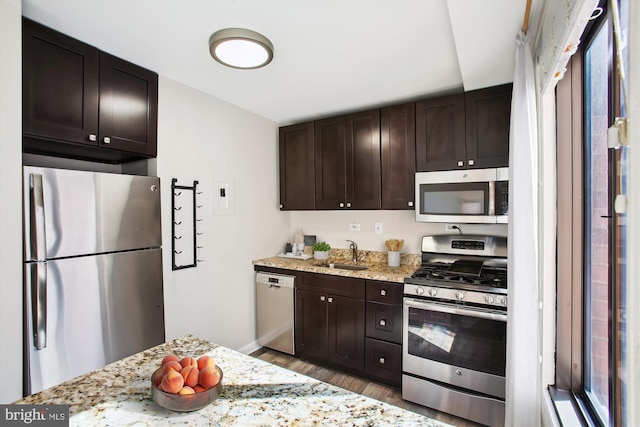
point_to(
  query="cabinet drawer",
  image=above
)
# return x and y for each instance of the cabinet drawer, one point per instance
(383, 361)
(384, 321)
(387, 292)
(337, 285)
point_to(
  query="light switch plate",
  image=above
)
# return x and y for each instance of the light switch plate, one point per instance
(354, 226)
(377, 227)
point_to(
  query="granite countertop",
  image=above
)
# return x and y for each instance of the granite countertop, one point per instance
(376, 261)
(255, 392)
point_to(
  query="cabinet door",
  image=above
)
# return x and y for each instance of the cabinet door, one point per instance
(329, 141)
(398, 156)
(59, 86)
(440, 133)
(488, 118)
(128, 106)
(383, 361)
(363, 160)
(311, 323)
(384, 321)
(297, 178)
(346, 331)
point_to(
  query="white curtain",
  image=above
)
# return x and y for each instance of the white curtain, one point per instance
(522, 371)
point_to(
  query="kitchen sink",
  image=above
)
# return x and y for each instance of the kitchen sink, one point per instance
(345, 266)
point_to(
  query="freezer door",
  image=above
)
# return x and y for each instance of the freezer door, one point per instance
(89, 212)
(99, 309)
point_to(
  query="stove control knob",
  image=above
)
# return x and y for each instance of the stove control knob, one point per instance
(433, 292)
(459, 295)
(503, 301)
(419, 290)
(489, 299)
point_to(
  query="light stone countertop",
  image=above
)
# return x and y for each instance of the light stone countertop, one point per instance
(255, 393)
(376, 261)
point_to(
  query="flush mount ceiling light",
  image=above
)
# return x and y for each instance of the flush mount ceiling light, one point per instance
(240, 48)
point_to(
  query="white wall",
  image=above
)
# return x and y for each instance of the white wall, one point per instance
(333, 227)
(10, 200)
(205, 139)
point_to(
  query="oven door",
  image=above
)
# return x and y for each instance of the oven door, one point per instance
(461, 346)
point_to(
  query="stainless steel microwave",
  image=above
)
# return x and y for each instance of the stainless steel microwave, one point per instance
(475, 196)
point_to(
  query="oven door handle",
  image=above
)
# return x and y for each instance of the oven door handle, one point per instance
(447, 308)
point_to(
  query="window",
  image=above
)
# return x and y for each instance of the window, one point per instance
(591, 234)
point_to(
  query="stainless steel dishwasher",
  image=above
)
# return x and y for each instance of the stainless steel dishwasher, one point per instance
(274, 306)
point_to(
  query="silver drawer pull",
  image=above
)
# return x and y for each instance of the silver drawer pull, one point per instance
(107, 140)
(322, 298)
(383, 322)
(460, 163)
(381, 360)
(383, 292)
(330, 299)
(471, 162)
(92, 137)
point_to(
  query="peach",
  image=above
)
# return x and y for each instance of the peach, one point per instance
(156, 378)
(171, 365)
(172, 382)
(198, 388)
(204, 361)
(188, 361)
(190, 375)
(209, 377)
(169, 358)
(186, 390)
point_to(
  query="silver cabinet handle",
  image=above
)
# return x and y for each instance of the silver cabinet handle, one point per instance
(281, 206)
(381, 360)
(348, 205)
(107, 140)
(472, 162)
(460, 163)
(342, 205)
(410, 204)
(330, 299)
(322, 298)
(383, 292)
(383, 322)
(93, 137)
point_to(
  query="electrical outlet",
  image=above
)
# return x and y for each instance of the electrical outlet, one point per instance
(377, 227)
(354, 226)
(450, 227)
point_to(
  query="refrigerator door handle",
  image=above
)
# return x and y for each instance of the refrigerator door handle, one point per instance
(38, 241)
(39, 268)
(38, 285)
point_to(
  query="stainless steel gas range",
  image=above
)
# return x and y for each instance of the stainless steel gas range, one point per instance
(455, 327)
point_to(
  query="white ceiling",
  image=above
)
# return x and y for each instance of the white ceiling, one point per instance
(331, 56)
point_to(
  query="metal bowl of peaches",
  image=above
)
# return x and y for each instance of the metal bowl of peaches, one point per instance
(184, 398)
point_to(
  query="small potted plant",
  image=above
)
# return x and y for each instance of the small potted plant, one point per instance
(321, 250)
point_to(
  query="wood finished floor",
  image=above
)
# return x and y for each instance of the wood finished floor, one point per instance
(355, 384)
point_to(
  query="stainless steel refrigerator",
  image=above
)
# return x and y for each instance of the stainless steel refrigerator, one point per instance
(92, 271)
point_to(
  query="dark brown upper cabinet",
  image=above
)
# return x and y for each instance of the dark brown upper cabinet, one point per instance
(469, 130)
(398, 154)
(297, 177)
(82, 103)
(488, 117)
(440, 133)
(347, 161)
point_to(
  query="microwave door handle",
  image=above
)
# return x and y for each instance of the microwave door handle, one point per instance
(492, 198)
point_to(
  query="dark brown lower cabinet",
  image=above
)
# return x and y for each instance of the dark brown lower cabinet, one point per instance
(383, 361)
(329, 321)
(350, 324)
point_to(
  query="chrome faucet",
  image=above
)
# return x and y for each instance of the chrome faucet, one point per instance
(354, 250)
